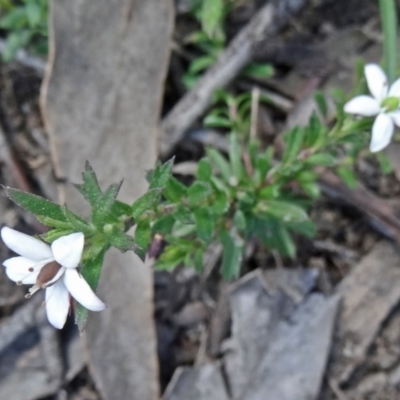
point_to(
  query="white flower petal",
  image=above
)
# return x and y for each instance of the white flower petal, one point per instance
(17, 269)
(382, 132)
(68, 249)
(377, 81)
(363, 105)
(395, 89)
(395, 115)
(25, 245)
(57, 304)
(81, 291)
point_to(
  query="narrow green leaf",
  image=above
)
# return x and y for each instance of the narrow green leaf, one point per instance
(79, 224)
(205, 224)
(146, 202)
(255, 70)
(294, 142)
(175, 191)
(320, 100)
(284, 242)
(38, 206)
(142, 238)
(220, 204)
(321, 159)
(122, 241)
(347, 175)
(216, 121)
(102, 207)
(158, 177)
(90, 188)
(90, 270)
(163, 225)
(232, 254)
(120, 209)
(220, 163)
(204, 170)
(283, 210)
(211, 16)
(313, 130)
(198, 191)
(51, 236)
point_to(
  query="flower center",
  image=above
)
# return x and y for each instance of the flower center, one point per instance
(391, 103)
(47, 273)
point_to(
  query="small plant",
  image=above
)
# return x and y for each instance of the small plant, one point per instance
(25, 24)
(251, 193)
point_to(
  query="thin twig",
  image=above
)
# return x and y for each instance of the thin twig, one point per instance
(266, 23)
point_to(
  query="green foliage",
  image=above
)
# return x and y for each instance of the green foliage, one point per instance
(26, 25)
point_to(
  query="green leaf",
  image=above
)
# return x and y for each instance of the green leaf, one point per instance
(311, 188)
(235, 157)
(142, 238)
(284, 242)
(305, 228)
(47, 212)
(232, 253)
(175, 190)
(294, 142)
(91, 269)
(182, 214)
(313, 130)
(220, 163)
(283, 210)
(146, 202)
(33, 13)
(120, 209)
(78, 223)
(211, 16)
(163, 225)
(255, 70)
(204, 170)
(216, 121)
(198, 192)
(239, 220)
(220, 204)
(51, 236)
(205, 224)
(170, 258)
(320, 100)
(321, 159)
(384, 163)
(347, 175)
(122, 241)
(90, 188)
(159, 176)
(102, 208)
(200, 64)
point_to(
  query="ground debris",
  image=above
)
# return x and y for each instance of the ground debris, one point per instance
(369, 294)
(279, 343)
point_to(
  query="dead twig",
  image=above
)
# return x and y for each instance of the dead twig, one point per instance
(384, 217)
(264, 24)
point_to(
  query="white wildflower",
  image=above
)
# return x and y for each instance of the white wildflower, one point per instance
(384, 104)
(53, 268)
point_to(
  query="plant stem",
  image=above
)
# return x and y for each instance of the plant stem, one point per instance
(389, 27)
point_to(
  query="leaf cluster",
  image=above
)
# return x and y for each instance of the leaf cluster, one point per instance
(26, 25)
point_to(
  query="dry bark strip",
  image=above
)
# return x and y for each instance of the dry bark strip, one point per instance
(383, 215)
(369, 293)
(101, 102)
(264, 25)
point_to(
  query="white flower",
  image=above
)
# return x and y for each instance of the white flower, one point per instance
(384, 104)
(53, 268)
